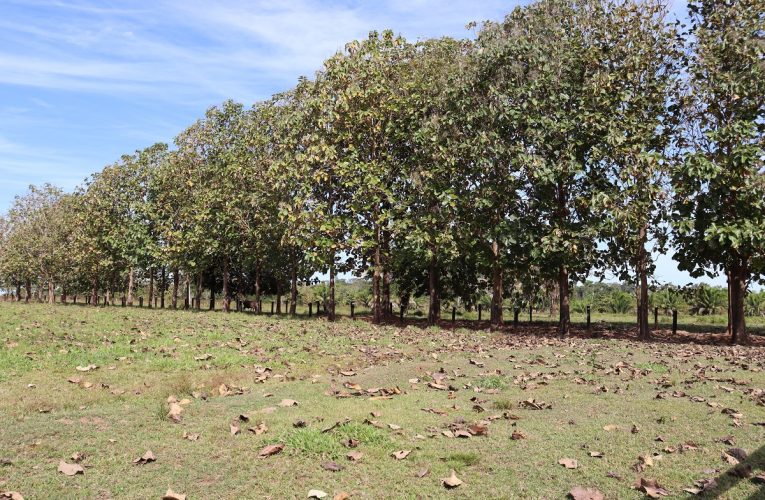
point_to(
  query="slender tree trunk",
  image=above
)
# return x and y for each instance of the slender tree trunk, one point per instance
(198, 291)
(226, 291)
(376, 277)
(176, 284)
(186, 291)
(331, 309)
(738, 296)
(94, 292)
(729, 309)
(278, 298)
(386, 279)
(293, 288)
(18, 292)
(257, 289)
(164, 287)
(644, 332)
(496, 286)
(51, 295)
(565, 313)
(151, 288)
(131, 284)
(554, 299)
(434, 291)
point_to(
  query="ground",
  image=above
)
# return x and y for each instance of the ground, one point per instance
(673, 410)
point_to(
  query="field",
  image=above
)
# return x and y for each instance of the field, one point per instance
(206, 393)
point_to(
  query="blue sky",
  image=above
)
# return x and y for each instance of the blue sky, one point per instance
(83, 82)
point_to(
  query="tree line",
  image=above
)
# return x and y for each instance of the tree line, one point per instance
(574, 138)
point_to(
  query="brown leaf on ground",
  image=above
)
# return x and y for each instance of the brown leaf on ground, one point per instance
(516, 435)
(568, 463)
(532, 404)
(354, 456)
(259, 429)
(580, 493)
(145, 458)
(190, 436)
(401, 454)
(342, 495)
(423, 472)
(174, 413)
(234, 429)
(86, 368)
(478, 430)
(270, 450)
(287, 403)
(596, 454)
(610, 427)
(11, 495)
(452, 481)
(332, 466)
(70, 469)
(317, 494)
(651, 488)
(78, 457)
(171, 495)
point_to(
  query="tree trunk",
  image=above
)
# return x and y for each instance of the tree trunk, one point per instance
(51, 295)
(496, 286)
(738, 296)
(293, 289)
(28, 286)
(131, 284)
(376, 277)
(176, 284)
(198, 292)
(331, 309)
(278, 298)
(564, 326)
(554, 299)
(164, 287)
(257, 289)
(730, 303)
(644, 332)
(151, 288)
(94, 292)
(18, 292)
(434, 292)
(226, 291)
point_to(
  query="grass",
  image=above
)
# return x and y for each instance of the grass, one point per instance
(119, 410)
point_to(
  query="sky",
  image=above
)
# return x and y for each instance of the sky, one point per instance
(83, 82)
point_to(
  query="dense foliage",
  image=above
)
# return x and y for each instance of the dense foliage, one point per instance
(572, 139)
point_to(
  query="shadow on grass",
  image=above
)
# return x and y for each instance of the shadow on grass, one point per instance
(744, 471)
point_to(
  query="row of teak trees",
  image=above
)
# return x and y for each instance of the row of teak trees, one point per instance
(573, 138)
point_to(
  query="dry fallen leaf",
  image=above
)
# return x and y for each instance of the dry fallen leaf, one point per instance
(317, 494)
(579, 493)
(11, 495)
(271, 449)
(332, 466)
(568, 463)
(452, 481)
(171, 495)
(190, 436)
(288, 402)
(401, 454)
(233, 429)
(423, 472)
(175, 412)
(70, 469)
(610, 427)
(145, 458)
(341, 496)
(354, 456)
(651, 488)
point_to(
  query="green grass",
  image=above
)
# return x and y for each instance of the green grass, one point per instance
(144, 356)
